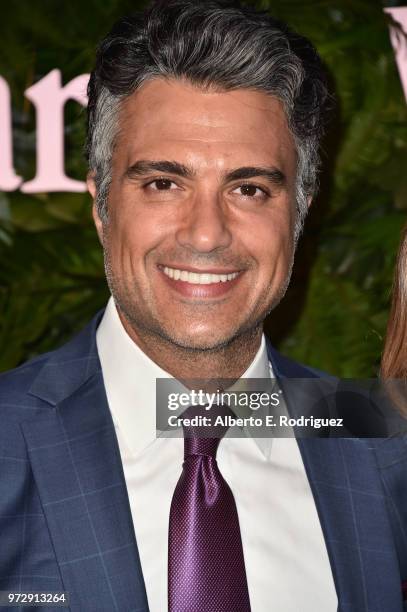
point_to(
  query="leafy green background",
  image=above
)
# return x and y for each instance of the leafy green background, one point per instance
(334, 315)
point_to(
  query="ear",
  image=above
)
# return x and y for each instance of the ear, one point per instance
(90, 182)
(309, 201)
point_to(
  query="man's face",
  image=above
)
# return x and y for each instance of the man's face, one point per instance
(199, 240)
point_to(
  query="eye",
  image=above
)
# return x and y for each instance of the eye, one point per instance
(161, 184)
(249, 190)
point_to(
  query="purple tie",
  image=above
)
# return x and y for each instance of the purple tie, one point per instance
(206, 571)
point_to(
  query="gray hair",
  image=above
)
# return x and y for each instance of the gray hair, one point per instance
(215, 44)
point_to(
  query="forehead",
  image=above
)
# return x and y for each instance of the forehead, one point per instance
(180, 119)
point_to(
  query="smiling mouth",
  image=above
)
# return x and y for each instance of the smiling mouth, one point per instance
(195, 278)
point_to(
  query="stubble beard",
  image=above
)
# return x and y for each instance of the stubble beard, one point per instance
(152, 332)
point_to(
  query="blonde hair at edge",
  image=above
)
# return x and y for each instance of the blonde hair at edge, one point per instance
(394, 360)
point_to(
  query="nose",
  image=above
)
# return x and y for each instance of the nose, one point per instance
(205, 226)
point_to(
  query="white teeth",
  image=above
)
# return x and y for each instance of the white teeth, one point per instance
(198, 279)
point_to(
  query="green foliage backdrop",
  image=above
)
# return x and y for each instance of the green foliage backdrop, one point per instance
(334, 315)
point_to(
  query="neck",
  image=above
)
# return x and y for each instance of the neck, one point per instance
(228, 361)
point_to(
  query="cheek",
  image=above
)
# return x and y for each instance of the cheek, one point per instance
(122, 243)
(271, 243)
(132, 235)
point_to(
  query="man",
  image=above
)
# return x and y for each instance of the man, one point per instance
(204, 126)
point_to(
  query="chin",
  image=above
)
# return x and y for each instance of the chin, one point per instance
(198, 339)
(201, 339)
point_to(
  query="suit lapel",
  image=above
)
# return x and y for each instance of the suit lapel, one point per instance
(352, 510)
(77, 468)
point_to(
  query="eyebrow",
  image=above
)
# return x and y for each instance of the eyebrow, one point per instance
(272, 174)
(142, 167)
(145, 166)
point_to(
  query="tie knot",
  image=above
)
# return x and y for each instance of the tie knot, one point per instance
(200, 446)
(203, 429)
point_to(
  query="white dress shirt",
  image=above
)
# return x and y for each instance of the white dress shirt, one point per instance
(286, 560)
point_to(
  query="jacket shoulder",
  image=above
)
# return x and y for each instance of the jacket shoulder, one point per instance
(288, 368)
(17, 405)
(22, 377)
(16, 402)
(45, 379)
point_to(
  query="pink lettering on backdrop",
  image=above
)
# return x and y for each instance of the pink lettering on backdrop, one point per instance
(9, 180)
(49, 98)
(399, 42)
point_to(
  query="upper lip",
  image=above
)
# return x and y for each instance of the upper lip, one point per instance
(200, 270)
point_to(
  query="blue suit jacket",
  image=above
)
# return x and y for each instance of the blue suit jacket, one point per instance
(65, 521)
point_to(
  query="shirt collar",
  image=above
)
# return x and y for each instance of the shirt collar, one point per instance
(130, 379)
